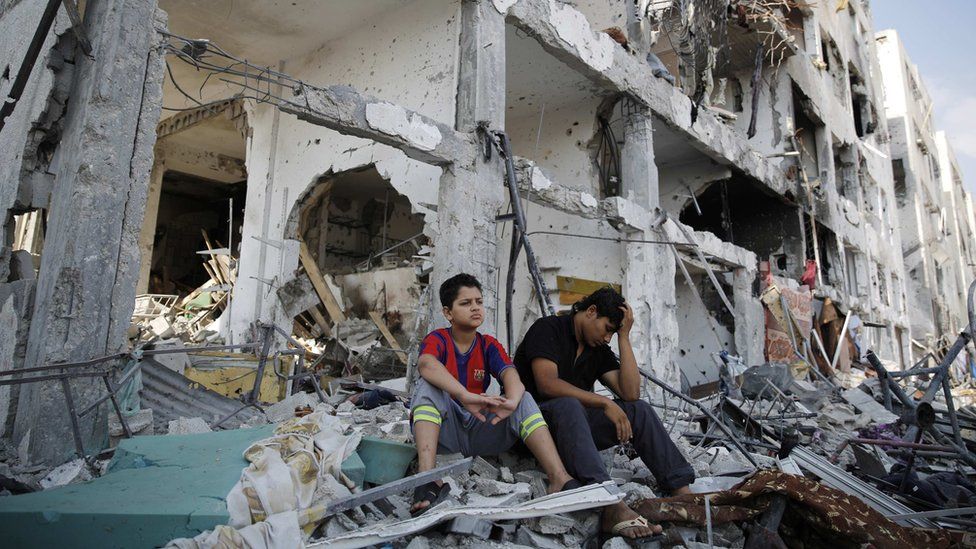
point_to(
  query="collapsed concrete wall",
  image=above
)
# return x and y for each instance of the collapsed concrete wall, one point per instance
(99, 172)
(24, 184)
(286, 156)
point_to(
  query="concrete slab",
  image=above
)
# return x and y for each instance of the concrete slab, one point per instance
(156, 488)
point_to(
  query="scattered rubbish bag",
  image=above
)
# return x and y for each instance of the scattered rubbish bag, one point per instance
(946, 489)
(373, 398)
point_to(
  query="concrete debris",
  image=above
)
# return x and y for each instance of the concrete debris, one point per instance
(188, 426)
(418, 542)
(527, 537)
(470, 526)
(484, 469)
(506, 475)
(553, 524)
(869, 407)
(636, 491)
(587, 497)
(490, 487)
(291, 405)
(139, 423)
(616, 543)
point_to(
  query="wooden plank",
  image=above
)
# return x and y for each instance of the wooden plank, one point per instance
(568, 298)
(299, 330)
(582, 286)
(378, 320)
(318, 282)
(320, 320)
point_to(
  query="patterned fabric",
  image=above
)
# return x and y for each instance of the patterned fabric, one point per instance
(486, 356)
(816, 515)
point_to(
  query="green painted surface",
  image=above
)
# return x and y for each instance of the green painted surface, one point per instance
(156, 489)
(354, 468)
(385, 460)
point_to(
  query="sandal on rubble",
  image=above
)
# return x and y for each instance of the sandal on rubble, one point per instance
(617, 530)
(431, 493)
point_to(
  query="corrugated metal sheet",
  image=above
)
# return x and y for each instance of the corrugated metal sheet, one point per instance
(839, 479)
(172, 396)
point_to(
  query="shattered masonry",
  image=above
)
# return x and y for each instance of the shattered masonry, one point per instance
(157, 195)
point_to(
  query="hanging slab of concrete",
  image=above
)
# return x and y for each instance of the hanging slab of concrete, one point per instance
(156, 488)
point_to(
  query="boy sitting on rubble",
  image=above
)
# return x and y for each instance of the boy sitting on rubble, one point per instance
(450, 411)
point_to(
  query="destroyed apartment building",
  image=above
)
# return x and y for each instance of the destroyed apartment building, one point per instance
(226, 223)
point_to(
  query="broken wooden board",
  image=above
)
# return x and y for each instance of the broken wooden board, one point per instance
(320, 320)
(573, 289)
(318, 282)
(390, 340)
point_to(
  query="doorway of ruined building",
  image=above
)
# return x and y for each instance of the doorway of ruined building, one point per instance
(194, 215)
(190, 238)
(364, 240)
(705, 326)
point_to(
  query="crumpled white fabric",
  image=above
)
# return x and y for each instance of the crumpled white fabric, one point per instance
(279, 531)
(279, 484)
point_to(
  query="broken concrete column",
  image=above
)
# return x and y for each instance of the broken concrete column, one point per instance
(147, 235)
(750, 322)
(649, 269)
(472, 193)
(86, 285)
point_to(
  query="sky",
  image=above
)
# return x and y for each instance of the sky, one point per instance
(938, 37)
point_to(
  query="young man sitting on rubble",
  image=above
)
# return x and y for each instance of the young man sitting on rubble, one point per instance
(450, 411)
(559, 360)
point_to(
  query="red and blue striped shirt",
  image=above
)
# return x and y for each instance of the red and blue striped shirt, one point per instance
(485, 355)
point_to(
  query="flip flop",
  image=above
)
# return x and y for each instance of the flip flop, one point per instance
(617, 530)
(432, 493)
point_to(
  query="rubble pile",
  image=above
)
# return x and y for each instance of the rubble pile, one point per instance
(822, 434)
(798, 452)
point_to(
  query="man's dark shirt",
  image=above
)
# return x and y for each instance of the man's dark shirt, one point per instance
(552, 338)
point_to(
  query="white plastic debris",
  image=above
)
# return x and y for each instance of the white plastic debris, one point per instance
(68, 473)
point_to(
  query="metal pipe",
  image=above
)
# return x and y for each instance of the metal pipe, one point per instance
(540, 285)
(118, 409)
(708, 268)
(725, 428)
(75, 429)
(262, 361)
(893, 443)
(920, 371)
(30, 59)
(510, 284)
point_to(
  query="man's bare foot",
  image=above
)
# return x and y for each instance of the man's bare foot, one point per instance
(684, 490)
(619, 512)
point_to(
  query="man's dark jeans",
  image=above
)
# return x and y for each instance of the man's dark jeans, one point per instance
(580, 433)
